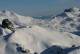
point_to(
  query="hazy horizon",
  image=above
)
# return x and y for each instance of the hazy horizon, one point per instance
(38, 7)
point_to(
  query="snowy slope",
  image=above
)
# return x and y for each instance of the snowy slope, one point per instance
(15, 18)
(68, 21)
(36, 38)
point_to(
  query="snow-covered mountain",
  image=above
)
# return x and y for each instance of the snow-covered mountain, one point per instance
(68, 21)
(15, 18)
(38, 36)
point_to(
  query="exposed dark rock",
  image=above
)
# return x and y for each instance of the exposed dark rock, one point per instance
(68, 10)
(7, 24)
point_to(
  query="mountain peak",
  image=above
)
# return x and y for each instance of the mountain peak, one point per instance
(72, 9)
(67, 21)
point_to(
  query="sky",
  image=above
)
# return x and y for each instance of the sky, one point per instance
(38, 7)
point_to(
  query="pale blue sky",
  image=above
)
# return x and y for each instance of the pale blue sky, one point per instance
(38, 7)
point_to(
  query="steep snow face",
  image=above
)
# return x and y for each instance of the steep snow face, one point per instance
(37, 39)
(68, 21)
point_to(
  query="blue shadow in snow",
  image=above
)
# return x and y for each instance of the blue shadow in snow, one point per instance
(59, 50)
